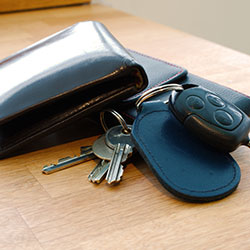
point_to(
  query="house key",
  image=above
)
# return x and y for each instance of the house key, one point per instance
(66, 162)
(99, 172)
(120, 141)
(110, 156)
(114, 147)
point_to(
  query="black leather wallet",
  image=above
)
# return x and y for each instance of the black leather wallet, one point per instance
(67, 76)
(80, 71)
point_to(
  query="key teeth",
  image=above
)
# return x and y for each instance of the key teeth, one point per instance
(90, 177)
(115, 171)
(64, 159)
(99, 172)
(118, 178)
(96, 181)
(85, 149)
(114, 182)
(66, 162)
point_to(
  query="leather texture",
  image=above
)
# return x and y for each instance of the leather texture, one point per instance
(160, 72)
(62, 78)
(183, 164)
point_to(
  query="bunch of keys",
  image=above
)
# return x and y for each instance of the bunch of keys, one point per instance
(113, 149)
(213, 119)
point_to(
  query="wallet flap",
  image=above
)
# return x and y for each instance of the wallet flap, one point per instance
(159, 72)
(62, 64)
(69, 75)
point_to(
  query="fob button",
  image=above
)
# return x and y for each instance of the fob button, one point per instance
(195, 102)
(223, 118)
(215, 100)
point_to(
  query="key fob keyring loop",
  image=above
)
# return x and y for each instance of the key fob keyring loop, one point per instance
(155, 91)
(118, 116)
(145, 96)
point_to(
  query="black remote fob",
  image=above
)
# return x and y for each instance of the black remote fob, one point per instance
(213, 119)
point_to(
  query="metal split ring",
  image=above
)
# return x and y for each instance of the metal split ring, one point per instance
(145, 96)
(155, 91)
(120, 119)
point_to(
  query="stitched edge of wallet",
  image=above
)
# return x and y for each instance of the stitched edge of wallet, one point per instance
(182, 69)
(169, 78)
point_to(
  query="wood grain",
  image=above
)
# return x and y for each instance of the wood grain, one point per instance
(17, 5)
(65, 211)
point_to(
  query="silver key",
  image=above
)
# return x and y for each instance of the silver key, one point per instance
(123, 146)
(98, 173)
(86, 155)
(101, 150)
(116, 135)
(115, 171)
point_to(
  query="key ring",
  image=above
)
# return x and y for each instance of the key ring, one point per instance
(155, 91)
(148, 94)
(120, 119)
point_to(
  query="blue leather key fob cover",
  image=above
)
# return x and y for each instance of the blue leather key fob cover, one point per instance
(184, 165)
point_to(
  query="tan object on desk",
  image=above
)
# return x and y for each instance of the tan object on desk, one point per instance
(65, 211)
(17, 5)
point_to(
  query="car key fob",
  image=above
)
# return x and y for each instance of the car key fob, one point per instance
(207, 115)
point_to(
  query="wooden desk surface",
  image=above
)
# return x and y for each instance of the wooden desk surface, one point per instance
(65, 211)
